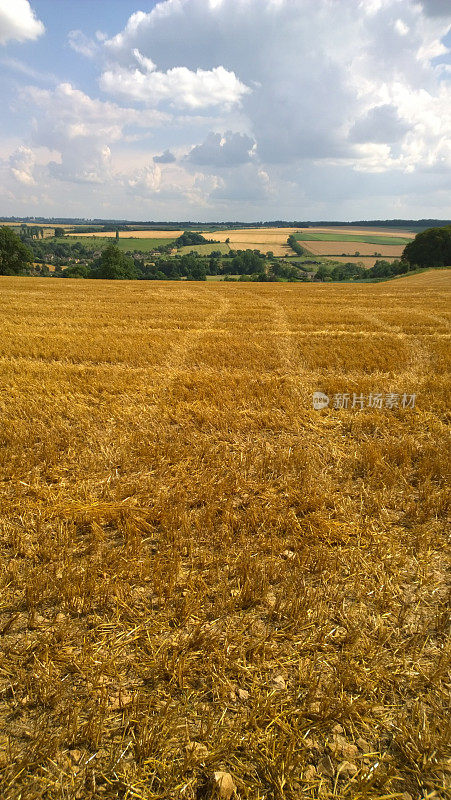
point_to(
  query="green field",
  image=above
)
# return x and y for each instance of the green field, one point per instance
(345, 237)
(100, 242)
(205, 249)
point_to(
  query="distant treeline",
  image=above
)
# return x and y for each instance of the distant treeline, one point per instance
(112, 224)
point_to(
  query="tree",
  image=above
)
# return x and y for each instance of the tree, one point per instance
(323, 273)
(76, 271)
(295, 246)
(15, 257)
(114, 265)
(59, 232)
(430, 248)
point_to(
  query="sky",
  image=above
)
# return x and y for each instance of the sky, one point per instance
(225, 109)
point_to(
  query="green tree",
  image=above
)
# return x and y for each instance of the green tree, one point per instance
(59, 232)
(15, 257)
(113, 264)
(76, 271)
(323, 273)
(430, 248)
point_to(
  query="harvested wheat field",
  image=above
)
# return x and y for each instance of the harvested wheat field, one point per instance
(201, 574)
(263, 239)
(340, 248)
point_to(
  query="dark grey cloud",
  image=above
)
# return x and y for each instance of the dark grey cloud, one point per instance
(437, 8)
(228, 150)
(246, 183)
(166, 158)
(381, 124)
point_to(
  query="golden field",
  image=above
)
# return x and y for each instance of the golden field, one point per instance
(200, 572)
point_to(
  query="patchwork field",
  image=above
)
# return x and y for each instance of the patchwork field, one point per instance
(263, 239)
(332, 248)
(306, 236)
(199, 573)
(365, 232)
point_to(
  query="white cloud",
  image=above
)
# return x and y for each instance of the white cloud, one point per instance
(256, 103)
(18, 21)
(82, 44)
(82, 130)
(22, 163)
(21, 67)
(401, 27)
(147, 179)
(307, 88)
(179, 86)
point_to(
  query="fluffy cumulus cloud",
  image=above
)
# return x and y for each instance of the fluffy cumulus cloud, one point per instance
(18, 21)
(305, 92)
(264, 105)
(179, 86)
(82, 130)
(22, 163)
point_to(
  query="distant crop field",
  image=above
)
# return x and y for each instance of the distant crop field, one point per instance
(125, 243)
(201, 573)
(332, 248)
(263, 239)
(205, 249)
(384, 239)
(371, 231)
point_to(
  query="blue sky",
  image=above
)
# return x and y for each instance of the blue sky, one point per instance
(226, 109)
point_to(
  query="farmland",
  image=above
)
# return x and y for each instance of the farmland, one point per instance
(147, 234)
(263, 239)
(328, 242)
(339, 247)
(199, 571)
(339, 242)
(306, 236)
(142, 244)
(205, 249)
